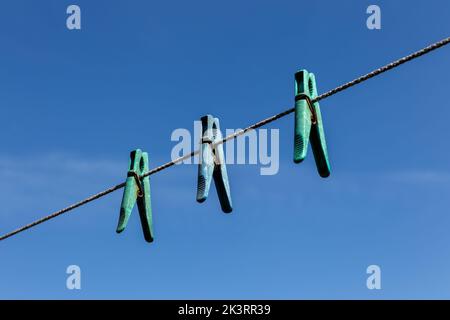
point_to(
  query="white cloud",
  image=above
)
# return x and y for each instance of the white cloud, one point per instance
(420, 176)
(47, 181)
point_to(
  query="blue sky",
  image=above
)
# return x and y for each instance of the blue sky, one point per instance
(74, 103)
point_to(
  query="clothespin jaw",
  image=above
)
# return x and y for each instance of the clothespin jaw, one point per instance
(308, 123)
(137, 189)
(212, 164)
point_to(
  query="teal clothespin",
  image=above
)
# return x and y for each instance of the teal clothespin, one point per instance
(308, 123)
(137, 189)
(212, 164)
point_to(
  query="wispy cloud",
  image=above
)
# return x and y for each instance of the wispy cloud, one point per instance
(420, 176)
(16, 166)
(45, 181)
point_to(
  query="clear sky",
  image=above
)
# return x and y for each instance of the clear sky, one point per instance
(74, 103)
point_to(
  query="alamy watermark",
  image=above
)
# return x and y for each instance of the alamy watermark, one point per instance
(73, 21)
(254, 147)
(374, 279)
(373, 22)
(73, 281)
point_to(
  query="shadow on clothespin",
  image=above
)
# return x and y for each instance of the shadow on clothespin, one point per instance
(137, 189)
(308, 123)
(212, 164)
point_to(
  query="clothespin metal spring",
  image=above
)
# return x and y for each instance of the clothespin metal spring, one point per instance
(137, 178)
(304, 96)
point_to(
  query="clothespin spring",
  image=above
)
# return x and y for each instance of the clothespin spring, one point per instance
(303, 96)
(138, 182)
(213, 149)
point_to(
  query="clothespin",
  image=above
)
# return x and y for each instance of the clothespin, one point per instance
(212, 164)
(137, 189)
(308, 123)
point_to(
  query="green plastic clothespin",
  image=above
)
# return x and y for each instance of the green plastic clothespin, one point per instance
(212, 164)
(308, 123)
(137, 189)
